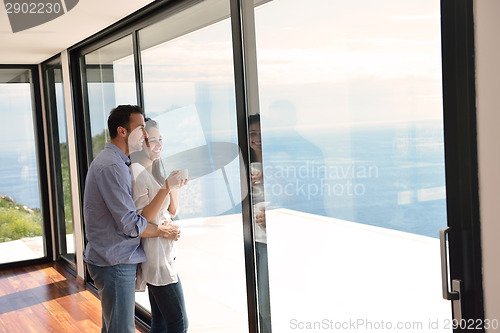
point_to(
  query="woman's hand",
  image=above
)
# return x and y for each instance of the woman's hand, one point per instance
(174, 180)
(169, 231)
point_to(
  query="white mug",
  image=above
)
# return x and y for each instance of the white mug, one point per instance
(184, 174)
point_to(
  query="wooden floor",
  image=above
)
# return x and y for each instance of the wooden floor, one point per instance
(46, 298)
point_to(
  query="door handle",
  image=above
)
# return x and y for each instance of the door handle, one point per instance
(456, 285)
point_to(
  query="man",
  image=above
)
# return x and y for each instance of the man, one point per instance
(112, 226)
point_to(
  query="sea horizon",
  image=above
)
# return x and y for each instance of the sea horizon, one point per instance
(390, 176)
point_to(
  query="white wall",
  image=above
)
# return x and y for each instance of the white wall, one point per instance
(487, 43)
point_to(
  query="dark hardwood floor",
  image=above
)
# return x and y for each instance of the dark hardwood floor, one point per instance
(46, 298)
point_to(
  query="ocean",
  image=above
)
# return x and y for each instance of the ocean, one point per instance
(389, 175)
(19, 178)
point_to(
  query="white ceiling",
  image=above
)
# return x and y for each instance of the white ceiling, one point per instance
(35, 45)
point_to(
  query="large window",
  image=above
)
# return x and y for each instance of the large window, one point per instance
(351, 125)
(188, 85)
(21, 219)
(62, 194)
(110, 81)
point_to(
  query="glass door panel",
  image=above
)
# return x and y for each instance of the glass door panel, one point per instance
(21, 221)
(64, 209)
(110, 81)
(188, 85)
(350, 139)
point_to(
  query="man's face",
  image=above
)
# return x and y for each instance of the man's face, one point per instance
(137, 132)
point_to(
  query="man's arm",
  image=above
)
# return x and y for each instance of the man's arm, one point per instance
(114, 183)
(168, 231)
(174, 202)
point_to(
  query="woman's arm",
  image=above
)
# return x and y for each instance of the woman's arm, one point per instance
(174, 202)
(153, 208)
(172, 183)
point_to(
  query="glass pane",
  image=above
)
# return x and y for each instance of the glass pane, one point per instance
(64, 206)
(353, 163)
(21, 224)
(189, 90)
(110, 79)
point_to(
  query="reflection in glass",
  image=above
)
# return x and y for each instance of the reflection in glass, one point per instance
(110, 81)
(63, 202)
(188, 88)
(259, 219)
(21, 224)
(353, 161)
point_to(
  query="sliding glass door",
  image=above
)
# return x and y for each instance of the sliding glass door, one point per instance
(187, 87)
(22, 222)
(351, 148)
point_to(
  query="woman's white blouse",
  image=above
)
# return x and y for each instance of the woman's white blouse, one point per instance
(159, 269)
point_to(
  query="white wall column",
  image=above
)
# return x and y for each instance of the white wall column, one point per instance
(487, 45)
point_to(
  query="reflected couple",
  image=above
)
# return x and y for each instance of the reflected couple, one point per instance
(258, 202)
(158, 196)
(257, 175)
(292, 165)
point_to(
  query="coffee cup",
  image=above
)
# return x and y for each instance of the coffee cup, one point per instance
(184, 174)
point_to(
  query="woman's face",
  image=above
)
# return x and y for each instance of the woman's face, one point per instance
(155, 143)
(255, 141)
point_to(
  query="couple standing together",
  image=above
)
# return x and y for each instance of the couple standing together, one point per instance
(128, 208)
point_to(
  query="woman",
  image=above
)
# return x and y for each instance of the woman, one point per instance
(158, 273)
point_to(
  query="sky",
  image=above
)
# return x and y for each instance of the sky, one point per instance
(340, 63)
(16, 127)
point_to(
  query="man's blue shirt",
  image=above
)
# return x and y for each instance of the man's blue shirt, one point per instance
(112, 225)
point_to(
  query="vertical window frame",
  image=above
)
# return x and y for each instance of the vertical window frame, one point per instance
(41, 154)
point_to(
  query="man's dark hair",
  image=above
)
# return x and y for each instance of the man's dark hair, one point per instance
(120, 116)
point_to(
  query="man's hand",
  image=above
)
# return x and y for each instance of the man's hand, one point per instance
(169, 231)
